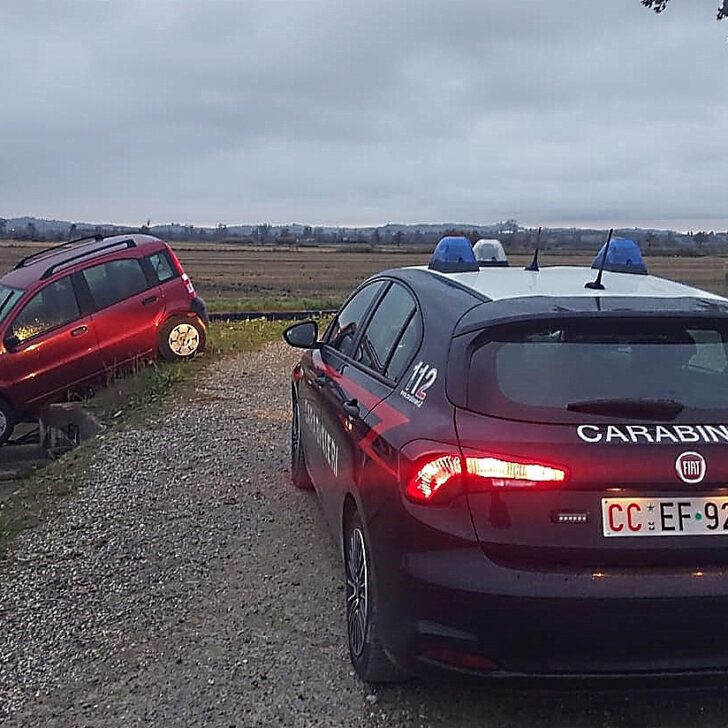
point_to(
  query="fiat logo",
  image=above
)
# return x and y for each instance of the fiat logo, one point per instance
(690, 467)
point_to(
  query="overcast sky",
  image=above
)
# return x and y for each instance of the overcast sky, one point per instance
(584, 112)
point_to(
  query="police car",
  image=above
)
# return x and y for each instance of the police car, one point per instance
(526, 470)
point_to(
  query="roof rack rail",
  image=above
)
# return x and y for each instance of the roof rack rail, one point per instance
(21, 263)
(128, 243)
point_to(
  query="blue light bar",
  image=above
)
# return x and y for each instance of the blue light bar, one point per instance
(624, 256)
(454, 255)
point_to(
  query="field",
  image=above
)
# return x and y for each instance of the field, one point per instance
(225, 275)
(236, 278)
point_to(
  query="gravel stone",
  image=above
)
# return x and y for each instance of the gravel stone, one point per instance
(189, 584)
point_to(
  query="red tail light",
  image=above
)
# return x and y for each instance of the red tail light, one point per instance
(501, 473)
(432, 476)
(435, 476)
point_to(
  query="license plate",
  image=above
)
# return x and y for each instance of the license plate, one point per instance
(664, 516)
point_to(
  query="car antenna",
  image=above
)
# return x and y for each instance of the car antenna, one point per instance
(533, 265)
(597, 284)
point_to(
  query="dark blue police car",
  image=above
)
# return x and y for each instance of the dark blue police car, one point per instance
(526, 470)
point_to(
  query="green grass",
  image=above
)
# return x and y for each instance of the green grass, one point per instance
(227, 304)
(127, 399)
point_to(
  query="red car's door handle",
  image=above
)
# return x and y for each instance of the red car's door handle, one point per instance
(149, 301)
(79, 330)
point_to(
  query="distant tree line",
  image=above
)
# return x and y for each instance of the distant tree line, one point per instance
(514, 236)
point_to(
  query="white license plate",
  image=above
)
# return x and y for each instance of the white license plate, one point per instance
(664, 516)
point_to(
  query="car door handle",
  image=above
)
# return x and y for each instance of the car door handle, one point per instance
(78, 331)
(351, 407)
(149, 301)
(320, 381)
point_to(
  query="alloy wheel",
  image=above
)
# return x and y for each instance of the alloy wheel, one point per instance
(357, 601)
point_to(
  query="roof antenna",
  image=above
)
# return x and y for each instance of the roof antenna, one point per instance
(597, 284)
(533, 265)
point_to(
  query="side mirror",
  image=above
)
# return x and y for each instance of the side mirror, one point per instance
(303, 335)
(11, 342)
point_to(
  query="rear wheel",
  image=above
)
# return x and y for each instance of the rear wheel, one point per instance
(365, 648)
(181, 338)
(7, 421)
(299, 474)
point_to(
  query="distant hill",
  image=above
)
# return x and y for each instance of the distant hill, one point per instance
(510, 233)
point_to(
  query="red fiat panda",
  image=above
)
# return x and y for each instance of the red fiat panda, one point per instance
(72, 314)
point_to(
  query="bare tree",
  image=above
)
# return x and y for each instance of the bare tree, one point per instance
(660, 6)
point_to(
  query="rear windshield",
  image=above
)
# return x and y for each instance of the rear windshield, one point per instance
(627, 369)
(8, 298)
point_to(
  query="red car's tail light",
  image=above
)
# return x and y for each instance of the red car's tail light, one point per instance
(433, 477)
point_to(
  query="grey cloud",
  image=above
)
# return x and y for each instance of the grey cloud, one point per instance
(338, 111)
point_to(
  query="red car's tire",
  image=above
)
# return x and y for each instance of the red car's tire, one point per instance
(182, 337)
(8, 419)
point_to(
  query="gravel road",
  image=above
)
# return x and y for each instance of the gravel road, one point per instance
(188, 584)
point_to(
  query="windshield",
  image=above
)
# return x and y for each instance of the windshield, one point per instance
(8, 298)
(630, 369)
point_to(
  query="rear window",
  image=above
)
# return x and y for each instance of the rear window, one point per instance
(628, 369)
(114, 281)
(162, 266)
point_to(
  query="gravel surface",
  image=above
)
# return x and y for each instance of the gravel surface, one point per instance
(189, 584)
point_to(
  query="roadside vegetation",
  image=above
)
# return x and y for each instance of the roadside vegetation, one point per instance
(126, 401)
(229, 304)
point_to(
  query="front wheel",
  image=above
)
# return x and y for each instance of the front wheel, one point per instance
(181, 338)
(7, 421)
(299, 473)
(368, 657)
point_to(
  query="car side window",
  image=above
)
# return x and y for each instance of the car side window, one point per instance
(53, 306)
(114, 281)
(405, 348)
(343, 330)
(162, 267)
(385, 327)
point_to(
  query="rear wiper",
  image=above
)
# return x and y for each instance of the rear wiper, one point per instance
(648, 409)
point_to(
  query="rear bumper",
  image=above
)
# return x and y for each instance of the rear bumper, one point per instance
(550, 625)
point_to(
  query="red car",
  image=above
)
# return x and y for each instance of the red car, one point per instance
(73, 314)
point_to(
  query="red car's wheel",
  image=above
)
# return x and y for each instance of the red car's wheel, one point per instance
(7, 421)
(181, 338)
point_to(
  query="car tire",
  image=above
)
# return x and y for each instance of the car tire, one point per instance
(181, 337)
(370, 661)
(299, 473)
(8, 421)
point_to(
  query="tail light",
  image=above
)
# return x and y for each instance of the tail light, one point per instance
(501, 473)
(436, 478)
(432, 476)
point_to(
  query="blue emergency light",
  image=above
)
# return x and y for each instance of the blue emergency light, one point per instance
(454, 255)
(624, 256)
